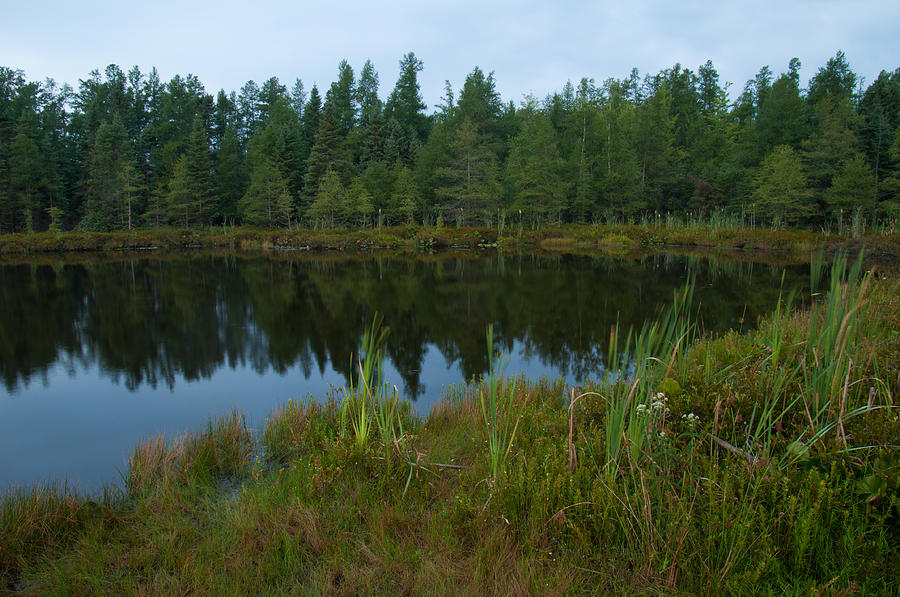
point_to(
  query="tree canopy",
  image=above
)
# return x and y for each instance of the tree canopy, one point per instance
(127, 150)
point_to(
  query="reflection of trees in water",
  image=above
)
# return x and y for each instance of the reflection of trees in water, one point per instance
(149, 321)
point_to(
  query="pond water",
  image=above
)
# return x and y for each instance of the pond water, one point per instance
(96, 356)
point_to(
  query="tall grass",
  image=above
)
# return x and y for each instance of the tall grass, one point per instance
(634, 373)
(370, 406)
(834, 333)
(497, 399)
(38, 519)
(223, 449)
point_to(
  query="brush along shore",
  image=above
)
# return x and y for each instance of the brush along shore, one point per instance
(880, 242)
(762, 463)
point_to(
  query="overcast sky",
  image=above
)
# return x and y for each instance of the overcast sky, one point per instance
(533, 46)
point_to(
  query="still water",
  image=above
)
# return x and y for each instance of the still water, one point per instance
(96, 356)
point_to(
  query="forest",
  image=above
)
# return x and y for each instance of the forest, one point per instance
(126, 150)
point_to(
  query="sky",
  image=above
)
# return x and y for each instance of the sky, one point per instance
(533, 47)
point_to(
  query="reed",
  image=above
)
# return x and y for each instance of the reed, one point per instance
(499, 411)
(370, 406)
(635, 369)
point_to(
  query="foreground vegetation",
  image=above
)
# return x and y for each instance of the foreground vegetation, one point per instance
(745, 464)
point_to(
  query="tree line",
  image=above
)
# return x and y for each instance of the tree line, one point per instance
(127, 150)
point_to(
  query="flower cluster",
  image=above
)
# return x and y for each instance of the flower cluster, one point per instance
(656, 407)
(691, 419)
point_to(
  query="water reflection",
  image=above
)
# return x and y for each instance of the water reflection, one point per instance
(152, 321)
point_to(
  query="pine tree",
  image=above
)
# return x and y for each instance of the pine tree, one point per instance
(331, 200)
(230, 176)
(298, 97)
(470, 180)
(132, 190)
(832, 144)
(179, 203)
(781, 190)
(267, 201)
(359, 207)
(852, 189)
(26, 177)
(618, 163)
(534, 169)
(199, 171)
(405, 104)
(406, 201)
(880, 111)
(342, 97)
(325, 154)
(104, 206)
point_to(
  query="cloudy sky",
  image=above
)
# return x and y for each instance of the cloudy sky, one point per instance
(533, 46)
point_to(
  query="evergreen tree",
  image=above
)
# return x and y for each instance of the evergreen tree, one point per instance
(832, 144)
(534, 169)
(781, 191)
(132, 190)
(342, 97)
(617, 161)
(271, 93)
(199, 170)
(180, 203)
(371, 119)
(406, 201)
(104, 205)
(880, 111)
(405, 104)
(378, 180)
(26, 178)
(325, 154)
(470, 184)
(782, 119)
(359, 207)
(267, 201)
(230, 176)
(309, 128)
(331, 200)
(835, 80)
(654, 144)
(367, 94)
(249, 110)
(853, 189)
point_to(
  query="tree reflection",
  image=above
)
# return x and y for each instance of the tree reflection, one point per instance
(151, 321)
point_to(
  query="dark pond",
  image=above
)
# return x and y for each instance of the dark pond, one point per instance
(96, 356)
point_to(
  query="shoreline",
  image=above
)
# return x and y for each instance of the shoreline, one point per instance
(612, 239)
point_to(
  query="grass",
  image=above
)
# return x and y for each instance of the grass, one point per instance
(757, 463)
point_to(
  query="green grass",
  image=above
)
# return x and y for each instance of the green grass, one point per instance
(768, 465)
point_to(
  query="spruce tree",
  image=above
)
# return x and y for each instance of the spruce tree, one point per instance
(331, 200)
(199, 172)
(781, 191)
(325, 153)
(405, 103)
